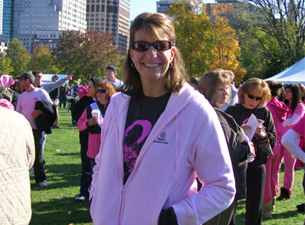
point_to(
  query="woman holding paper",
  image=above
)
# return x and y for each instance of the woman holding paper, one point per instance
(215, 86)
(294, 114)
(252, 95)
(92, 118)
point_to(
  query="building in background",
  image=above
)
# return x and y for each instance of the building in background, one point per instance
(110, 16)
(1, 13)
(7, 20)
(3, 47)
(162, 6)
(27, 19)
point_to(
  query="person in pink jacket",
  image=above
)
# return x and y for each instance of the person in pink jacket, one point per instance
(92, 123)
(158, 135)
(279, 111)
(296, 111)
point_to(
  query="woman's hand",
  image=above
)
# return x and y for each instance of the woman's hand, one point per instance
(252, 149)
(260, 131)
(92, 121)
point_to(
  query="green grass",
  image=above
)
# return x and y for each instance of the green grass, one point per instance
(56, 204)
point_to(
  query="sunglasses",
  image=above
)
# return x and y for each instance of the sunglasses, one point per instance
(142, 46)
(253, 97)
(102, 90)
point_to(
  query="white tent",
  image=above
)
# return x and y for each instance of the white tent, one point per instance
(295, 74)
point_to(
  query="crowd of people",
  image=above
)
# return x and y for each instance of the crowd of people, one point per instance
(156, 149)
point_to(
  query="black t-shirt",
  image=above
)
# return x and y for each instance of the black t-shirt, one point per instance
(53, 94)
(142, 115)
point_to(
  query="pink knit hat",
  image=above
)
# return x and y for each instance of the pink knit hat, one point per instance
(7, 104)
(6, 81)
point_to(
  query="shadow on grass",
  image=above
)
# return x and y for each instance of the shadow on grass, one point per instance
(61, 211)
(60, 176)
(76, 154)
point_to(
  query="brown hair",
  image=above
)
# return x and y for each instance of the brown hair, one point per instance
(161, 27)
(209, 83)
(35, 72)
(275, 87)
(109, 88)
(254, 84)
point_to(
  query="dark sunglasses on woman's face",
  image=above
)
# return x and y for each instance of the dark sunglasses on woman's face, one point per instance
(101, 90)
(253, 97)
(142, 46)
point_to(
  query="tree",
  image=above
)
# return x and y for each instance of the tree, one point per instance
(19, 57)
(226, 49)
(87, 53)
(5, 65)
(42, 60)
(283, 21)
(259, 61)
(194, 34)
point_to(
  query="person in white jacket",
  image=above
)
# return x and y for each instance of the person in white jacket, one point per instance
(158, 135)
(17, 156)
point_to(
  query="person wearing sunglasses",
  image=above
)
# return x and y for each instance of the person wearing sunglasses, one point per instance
(253, 94)
(92, 122)
(215, 86)
(158, 135)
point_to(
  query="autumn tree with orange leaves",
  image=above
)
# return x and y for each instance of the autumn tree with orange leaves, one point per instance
(86, 54)
(204, 45)
(194, 34)
(226, 49)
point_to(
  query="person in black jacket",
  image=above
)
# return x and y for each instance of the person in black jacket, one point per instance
(252, 95)
(80, 106)
(215, 86)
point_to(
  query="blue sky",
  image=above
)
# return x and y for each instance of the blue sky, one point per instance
(140, 6)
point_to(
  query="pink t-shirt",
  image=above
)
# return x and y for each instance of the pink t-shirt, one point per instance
(299, 127)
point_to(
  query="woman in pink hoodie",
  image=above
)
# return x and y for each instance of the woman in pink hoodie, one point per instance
(278, 110)
(158, 135)
(294, 114)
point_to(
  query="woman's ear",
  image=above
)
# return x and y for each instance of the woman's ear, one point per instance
(173, 51)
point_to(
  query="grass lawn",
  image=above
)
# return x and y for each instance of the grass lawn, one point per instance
(56, 204)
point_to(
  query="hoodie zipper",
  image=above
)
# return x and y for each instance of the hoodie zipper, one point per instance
(121, 206)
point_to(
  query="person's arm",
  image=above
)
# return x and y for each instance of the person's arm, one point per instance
(30, 146)
(18, 107)
(291, 121)
(289, 140)
(270, 129)
(82, 122)
(210, 158)
(51, 86)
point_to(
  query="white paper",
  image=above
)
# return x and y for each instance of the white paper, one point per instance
(250, 127)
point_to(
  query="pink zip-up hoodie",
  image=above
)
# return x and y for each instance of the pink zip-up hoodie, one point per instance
(187, 141)
(279, 111)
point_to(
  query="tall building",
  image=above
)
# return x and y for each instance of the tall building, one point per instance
(162, 6)
(110, 16)
(46, 18)
(1, 8)
(7, 20)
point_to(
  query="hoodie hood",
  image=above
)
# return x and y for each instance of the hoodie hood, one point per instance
(279, 108)
(175, 104)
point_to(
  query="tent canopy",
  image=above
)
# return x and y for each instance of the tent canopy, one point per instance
(295, 74)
